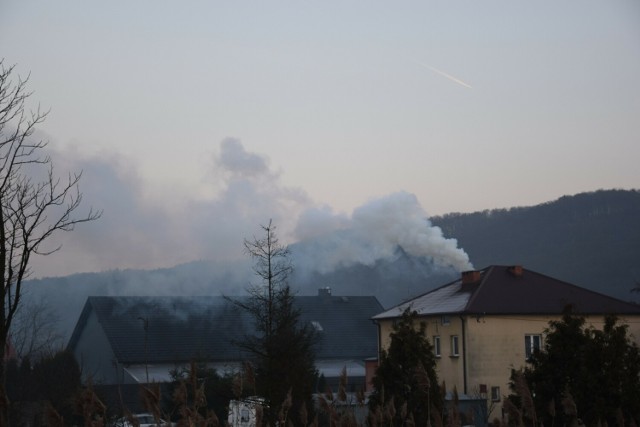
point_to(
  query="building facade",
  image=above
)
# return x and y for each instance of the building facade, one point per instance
(490, 321)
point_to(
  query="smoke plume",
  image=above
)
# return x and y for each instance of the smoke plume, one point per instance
(185, 243)
(374, 232)
(138, 231)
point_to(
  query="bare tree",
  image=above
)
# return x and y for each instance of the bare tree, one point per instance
(282, 347)
(273, 266)
(34, 332)
(34, 203)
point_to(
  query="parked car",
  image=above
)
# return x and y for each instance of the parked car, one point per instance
(144, 420)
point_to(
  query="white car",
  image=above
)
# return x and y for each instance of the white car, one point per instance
(144, 420)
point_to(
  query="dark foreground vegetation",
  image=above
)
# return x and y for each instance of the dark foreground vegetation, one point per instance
(582, 376)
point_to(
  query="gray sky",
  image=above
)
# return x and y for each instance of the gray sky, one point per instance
(466, 105)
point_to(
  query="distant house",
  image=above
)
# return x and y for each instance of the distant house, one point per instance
(128, 340)
(491, 320)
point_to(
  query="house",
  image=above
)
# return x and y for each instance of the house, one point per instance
(489, 321)
(128, 340)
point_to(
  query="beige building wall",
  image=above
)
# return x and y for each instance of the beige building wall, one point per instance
(449, 366)
(489, 347)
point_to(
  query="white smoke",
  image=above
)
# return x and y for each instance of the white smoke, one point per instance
(375, 231)
(140, 231)
(203, 236)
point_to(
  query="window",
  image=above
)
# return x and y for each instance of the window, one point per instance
(455, 350)
(495, 394)
(532, 343)
(436, 345)
(444, 320)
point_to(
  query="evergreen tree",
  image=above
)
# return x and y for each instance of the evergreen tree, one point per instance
(597, 371)
(406, 385)
(282, 347)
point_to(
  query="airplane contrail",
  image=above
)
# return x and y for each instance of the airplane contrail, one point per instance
(442, 73)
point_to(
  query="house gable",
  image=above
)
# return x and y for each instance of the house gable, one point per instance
(93, 351)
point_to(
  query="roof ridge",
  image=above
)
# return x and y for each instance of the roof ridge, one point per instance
(582, 289)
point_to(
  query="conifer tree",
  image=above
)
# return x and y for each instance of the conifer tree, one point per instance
(598, 369)
(282, 348)
(406, 384)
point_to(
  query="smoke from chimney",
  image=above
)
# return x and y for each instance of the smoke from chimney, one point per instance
(375, 231)
(203, 236)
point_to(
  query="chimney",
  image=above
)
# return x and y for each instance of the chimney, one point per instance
(515, 270)
(471, 276)
(324, 292)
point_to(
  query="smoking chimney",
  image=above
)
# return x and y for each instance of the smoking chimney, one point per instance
(515, 270)
(469, 277)
(324, 292)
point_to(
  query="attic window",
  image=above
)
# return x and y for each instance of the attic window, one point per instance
(316, 325)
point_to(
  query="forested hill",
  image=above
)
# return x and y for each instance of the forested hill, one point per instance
(590, 239)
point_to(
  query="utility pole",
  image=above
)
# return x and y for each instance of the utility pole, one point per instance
(145, 322)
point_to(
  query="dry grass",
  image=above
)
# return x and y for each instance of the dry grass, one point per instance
(91, 407)
(513, 413)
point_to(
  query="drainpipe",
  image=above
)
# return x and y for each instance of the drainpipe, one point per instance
(464, 353)
(379, 341)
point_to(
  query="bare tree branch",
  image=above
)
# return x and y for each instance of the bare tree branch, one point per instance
(35, 204)
(34, 332)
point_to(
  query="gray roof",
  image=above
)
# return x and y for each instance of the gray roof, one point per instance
(182, 328)
(500, 291)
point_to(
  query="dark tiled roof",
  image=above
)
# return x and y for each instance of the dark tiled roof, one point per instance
(500, 291)
(347, 329)
(181, 328)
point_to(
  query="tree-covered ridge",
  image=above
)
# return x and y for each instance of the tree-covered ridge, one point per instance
(589, 239)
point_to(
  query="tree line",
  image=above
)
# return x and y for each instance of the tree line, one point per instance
(591, 239)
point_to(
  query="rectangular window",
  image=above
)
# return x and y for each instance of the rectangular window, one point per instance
(445, 321)
(436, 345)
(532, 343)
(495, 394)
(455, 349)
